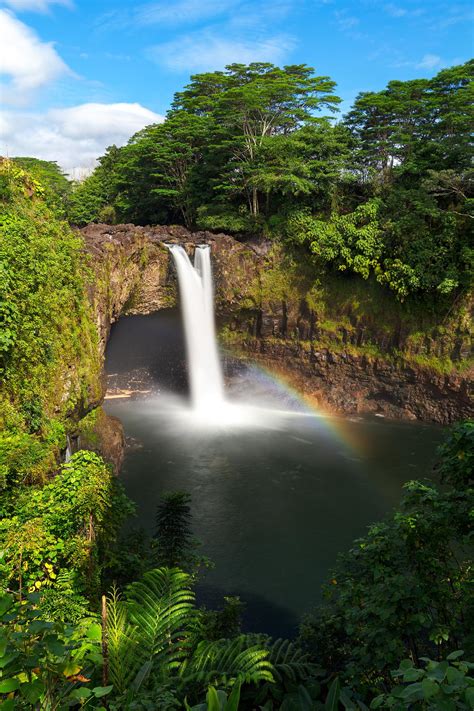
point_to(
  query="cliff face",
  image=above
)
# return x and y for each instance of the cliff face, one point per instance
(134, 273)
(351, 349)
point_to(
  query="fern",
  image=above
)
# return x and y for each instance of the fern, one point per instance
(226, 660)
(289, 661)
(161, 605)
(149, 629)
(122, 642)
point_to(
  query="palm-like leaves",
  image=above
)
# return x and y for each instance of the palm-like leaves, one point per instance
(150, 627)
(150, 634)
(223, 661)
(289, 661)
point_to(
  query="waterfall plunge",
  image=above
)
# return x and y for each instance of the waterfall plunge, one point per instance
(197, 305)
(211, 409)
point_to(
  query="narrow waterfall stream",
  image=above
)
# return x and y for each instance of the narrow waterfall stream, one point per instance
(197, 305)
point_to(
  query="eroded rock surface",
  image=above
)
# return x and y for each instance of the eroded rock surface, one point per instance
(366, 365)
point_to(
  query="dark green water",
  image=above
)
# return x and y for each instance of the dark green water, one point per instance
(273, 503)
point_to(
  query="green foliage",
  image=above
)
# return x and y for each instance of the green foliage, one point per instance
(173, 543)
(448, 684)
(217, 700)
(225, 622)
(54, 535)
(349, 242)
(151, 642)
(91, 199)
(47, 665)
(55, 183)
(46, 322)
(404, 589)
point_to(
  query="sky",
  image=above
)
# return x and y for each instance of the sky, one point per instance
(79, 75)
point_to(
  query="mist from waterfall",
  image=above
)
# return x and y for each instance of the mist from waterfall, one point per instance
(197, 306)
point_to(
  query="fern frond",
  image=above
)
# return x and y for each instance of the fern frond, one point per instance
(161, 607)
(122, 643)
(288, 661)
(227, 660)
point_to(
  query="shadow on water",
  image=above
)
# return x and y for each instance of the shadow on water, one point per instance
(260, 613)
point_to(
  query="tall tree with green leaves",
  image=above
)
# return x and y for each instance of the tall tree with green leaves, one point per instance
(249, 105)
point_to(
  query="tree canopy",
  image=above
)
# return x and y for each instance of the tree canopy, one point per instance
(385, 193)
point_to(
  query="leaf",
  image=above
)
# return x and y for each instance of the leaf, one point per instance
(101, 691)
(94, 632)
(469, 696)
(234, 698)
(70, 669)
(6, 602)
(82, 693)
(455, 655)
(7, 685)
(430, 688)
(332, 699)
(213, 703)
(32, 691)
(5, 661)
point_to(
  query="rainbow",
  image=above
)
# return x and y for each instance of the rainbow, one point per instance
(307, 405)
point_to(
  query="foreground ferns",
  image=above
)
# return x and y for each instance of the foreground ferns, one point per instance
(150, 641)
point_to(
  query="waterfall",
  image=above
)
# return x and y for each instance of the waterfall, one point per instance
(197, 307)
(68, 453)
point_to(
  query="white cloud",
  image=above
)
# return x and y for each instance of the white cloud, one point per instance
(75, 136)
(25, 61)
(430, 61)
(34, 5)
(209, 50)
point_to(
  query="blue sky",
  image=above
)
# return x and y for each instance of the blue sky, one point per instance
(77, 75)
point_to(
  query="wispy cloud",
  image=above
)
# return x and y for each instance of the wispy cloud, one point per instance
(395, 10)
(182, 11)
(345, 21)
(453, 15)
(210, 49)
(27, 63)
(429, 61)
(35, 5)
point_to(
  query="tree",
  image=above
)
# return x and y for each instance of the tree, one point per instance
(51, 177)
(403, 590)
(158, 165)
(93, 198)
(174, 543)
(250, 104)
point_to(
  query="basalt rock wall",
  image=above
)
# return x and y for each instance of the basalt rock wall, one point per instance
(360, 359)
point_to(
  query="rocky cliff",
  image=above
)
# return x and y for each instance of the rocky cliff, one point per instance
(344, 342)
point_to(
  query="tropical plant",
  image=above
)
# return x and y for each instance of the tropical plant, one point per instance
(173, 543)
(404, 589)
(45, 665)
(437, 685)
(151, 642)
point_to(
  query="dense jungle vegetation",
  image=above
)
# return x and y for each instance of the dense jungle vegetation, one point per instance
(95, 617)
(385, 192)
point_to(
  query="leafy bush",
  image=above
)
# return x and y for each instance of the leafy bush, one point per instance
(54, 536)
(404, 589)
(48, 341)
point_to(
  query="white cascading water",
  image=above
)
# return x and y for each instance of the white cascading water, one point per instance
(197, 305)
